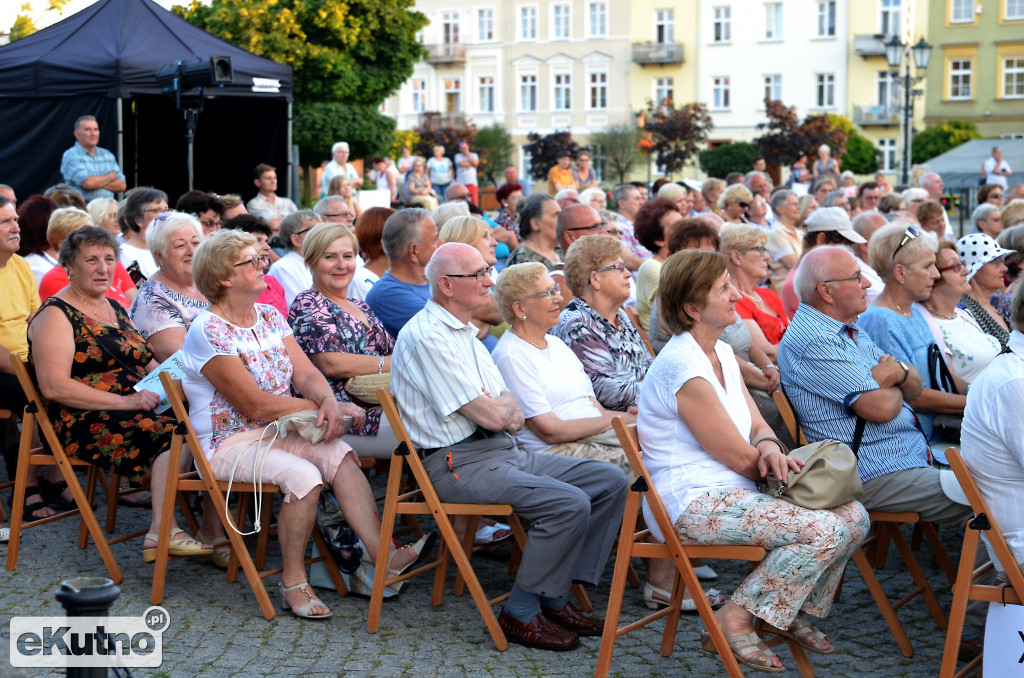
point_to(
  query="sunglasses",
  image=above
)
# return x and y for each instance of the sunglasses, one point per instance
(744, 205)
(911, 233)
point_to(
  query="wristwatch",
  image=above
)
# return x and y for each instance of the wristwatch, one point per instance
(906, 372)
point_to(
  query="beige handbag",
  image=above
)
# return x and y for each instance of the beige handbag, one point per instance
(829, 476)
(364, 387)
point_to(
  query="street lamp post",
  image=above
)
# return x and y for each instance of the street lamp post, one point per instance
(896, 54)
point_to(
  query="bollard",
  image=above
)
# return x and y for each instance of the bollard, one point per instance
(87, 597)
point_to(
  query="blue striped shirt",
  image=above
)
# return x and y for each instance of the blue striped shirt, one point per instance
(824, 371)
(437, 367)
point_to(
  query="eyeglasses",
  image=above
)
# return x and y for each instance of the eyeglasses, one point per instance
(760, 249)
(164, 209)
(481, 275)
(997, 196)
(587, 228)
(210, 223)
(614, 232)
(343, 215)
(549, 293)
(743, 204)
(911, 233)
(257, 261)
(852, 277)
(304, 231)
(617, 266)
(956, 268)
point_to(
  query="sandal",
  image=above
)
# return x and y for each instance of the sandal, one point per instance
(53, 494)
(5, 535)
(186, 547)
(422, 548)
(715, 599)
(749, 651)
(311, 601)
(803, 632)
(221, 549)
(138, 499)
(492, 534)
(29, 513)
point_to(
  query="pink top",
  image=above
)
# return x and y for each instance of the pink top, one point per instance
(273, 295)
(56, 279)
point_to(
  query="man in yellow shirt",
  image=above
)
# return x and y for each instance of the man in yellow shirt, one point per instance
(560, 176)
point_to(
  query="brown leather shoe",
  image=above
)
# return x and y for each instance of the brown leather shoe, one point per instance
(539, 633)
(969, 649)
(571, 619)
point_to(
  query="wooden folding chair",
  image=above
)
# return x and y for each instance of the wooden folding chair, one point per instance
(5, 415)
(35, 414)
(965, 590)
(632, 543)
(423, 500)
(644, 334)
(205, 481)
(885, 527)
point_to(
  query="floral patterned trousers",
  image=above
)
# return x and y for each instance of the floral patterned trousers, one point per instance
(807, 550)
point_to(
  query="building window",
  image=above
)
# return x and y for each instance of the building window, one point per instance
(560, 27)
(773, 21)
(664, 88)
(1014, 10)
(773, 87)
(827, 19)
(888, 94)
(598, 19)
(826, 90)
(720, 93)
(887, 153)
(450, 27)
(485, 22)
(528, 92)
(563, 92)
(664, 26)
(723, 24)
(452, 95)
(527, 23)
(960, 79)
(889, 17)
(1013, 78)
(961, 11)
(419, 96)
(487, 94)
(598, 95)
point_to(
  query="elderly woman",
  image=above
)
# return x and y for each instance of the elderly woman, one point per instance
(104, 214)
(784, 240)
(985, 219)
(169, 301)
(140, 206)
(595, 197)
(475, 232)
(1011, 239)
(932, 217)
(808, 203)
(968, 349)
(88, 357)
(912, 199)
(419, 188)
(892, 204)
(757, 213)
(63, 221)
(984, 259)
(538, 217)
(260, 229)
(508, 196)
(440, 169)
(679, 195)
(760, 307)
(596, 328)
(1012, 215)
(342, 336)
(826, 167)
(711, 189)
(991, 194)
(905, 258)
(733, 203)
(695, 413)
(368, 228)
(242, 364)
(651, 226)
(33, 218)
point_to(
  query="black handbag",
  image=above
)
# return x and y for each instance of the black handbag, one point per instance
(945, 426)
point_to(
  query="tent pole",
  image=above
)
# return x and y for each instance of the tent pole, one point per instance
(293, 183)
(120, 136)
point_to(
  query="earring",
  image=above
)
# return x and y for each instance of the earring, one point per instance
(901, 282)
(524, 317)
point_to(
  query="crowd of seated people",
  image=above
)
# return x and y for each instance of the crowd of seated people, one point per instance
(856, 308)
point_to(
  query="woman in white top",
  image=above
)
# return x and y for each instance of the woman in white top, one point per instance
(704, 445)
(140, 207)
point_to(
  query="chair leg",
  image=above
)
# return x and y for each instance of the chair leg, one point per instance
(618, 587)
(931, 532)
(961, 597)
(922, 582)
(112, 488)
(864, 564)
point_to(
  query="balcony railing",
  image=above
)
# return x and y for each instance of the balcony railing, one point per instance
(870, 45)
(455, 118)
(447, 53)
(876, 115)
(658, 53)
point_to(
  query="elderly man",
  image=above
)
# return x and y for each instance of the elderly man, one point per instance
(410, 238)
(291, 270)
(461, 415)
(628, 201)
(512, 177)
(8, 192)
(996, 169)
(865, 224)
(844, 388)
(333, 208)
(933, 185)
(822, 188)
(757, 183)
(837, 199)
(575, 222)
(466, 163)
(868, 194)
(267, 204)
(89, 168)
(566, 197)
(457, 191)
(985, 218)
(339, 164)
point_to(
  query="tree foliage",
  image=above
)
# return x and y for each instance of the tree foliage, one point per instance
(403, 137)
(318, 125)
(676, 133)
(25, 24)
(618, 146)
(544, 150)
(438, 129)
(356, 51)
(494, 146)
(860, 155)
(940, 138)
(786, 138)
(726, 158)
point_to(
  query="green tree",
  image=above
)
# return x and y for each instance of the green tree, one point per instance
(544, 151)
(734, 157)
(494, 145)
(786, 138)
(25, 24)
(438, 129)
(940, 138)
(318, 125)
(618, 146)
(403, 137)
(356, 51)
(677, 133)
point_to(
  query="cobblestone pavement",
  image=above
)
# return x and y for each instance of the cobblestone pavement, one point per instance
(216, 628)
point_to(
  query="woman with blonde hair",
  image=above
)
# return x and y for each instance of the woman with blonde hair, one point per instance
(342, 185)
(734, 202)
(104, 214)
(475, 232)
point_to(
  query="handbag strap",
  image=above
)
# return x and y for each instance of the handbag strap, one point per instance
(103, 347)
(858, 433)
(938, 371)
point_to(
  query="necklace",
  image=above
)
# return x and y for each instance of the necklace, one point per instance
(940, 315)
(903, 313)
(540, 348)
(96, 311)
(246, 323)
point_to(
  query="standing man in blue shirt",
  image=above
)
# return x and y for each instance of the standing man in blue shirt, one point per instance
(87, 167)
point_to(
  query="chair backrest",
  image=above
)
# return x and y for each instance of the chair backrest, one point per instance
(36, 405)
(176, 397)
(789, 416)
(980, 508)
(390, 407)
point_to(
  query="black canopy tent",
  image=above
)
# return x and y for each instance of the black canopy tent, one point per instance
(103, 61)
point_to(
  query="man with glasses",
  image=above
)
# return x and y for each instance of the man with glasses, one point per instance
(839, 382)
(868, 194)
(334, 209)
(291, 270)
(460, 415)
(267, 204)
(88, 167)
(575, 222)
(409, 239)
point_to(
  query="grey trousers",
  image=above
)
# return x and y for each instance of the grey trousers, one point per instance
(919, 490)
(574, 506)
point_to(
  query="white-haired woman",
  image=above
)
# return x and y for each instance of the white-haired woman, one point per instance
(826, 167)
(104, 214)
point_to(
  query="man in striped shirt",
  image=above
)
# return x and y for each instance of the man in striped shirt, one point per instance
(460, 415)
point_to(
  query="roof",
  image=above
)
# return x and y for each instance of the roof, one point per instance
(114, 47)
(960, 167)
